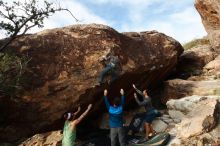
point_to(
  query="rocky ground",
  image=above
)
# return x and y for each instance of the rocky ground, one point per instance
(198, 118)
(192, 98)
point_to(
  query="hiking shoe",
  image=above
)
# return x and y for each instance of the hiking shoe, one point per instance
(152, 134)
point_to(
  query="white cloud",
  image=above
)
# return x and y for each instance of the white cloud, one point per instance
(189, 15)
(124, 2)
(178, 19)
(82, 13)
(161, 26)
(127, 27)
(63, 18)
(183, 24)
(182, 33)
(187, 25)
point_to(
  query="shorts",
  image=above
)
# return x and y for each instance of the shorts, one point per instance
(151, 115)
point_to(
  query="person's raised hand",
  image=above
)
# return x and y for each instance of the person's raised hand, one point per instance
(89, 106)
(135, 95)
(105, 92)
(78, 109)
(134, 86)
(122, 92)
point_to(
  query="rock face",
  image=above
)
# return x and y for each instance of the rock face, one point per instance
(178, 88)
(51, 138)
(213, 68)
(196, 74)
(64, 69)
(159, 125)
(200, 121)
(185, 105)
(193, 60)
(209, 11)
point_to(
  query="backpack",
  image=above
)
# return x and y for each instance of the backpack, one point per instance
(137, 122)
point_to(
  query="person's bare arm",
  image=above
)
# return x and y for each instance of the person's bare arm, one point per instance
(78, 110)
(78, 120)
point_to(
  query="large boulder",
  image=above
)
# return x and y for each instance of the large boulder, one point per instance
(200, 121)
(178, 88)
(64, 69)
(193, 60)
(50, 138)
(209, 11)
(178, 109)
(213, 68)
(159, 125)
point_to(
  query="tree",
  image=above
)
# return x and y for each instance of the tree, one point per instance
(12, 74)
(17, 18)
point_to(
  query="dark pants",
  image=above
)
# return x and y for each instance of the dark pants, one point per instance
(108, 69)
(114, 132)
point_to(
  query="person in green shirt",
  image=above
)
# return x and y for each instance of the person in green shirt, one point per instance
(69, 130)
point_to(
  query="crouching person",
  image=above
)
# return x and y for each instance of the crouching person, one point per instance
(116, 118)
(69, 130)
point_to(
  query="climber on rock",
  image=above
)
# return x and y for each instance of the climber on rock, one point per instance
(112, 67)
(69, 130)
(150, 115)
(116, 118)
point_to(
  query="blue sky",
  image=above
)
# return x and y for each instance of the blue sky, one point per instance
(176, 18)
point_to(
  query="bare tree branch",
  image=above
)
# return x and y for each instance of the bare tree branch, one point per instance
(7, 17)
(70, 13)
(33, 16)
(27, 28)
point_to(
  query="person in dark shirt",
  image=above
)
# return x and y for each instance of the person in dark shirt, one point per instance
(116, 118)
(151, 113)
(112, 66)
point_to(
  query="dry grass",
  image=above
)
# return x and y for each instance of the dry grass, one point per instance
(217, 92)
(196, 42)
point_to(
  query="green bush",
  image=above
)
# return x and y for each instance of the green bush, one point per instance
(195, 42)
(12, 69)
(217, 92)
